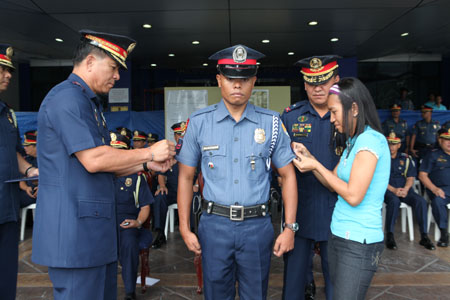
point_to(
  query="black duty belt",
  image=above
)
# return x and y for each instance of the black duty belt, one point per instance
(422, 145)
(236, 212)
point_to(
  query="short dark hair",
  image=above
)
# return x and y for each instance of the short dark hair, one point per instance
(354, 91)
(9, 69)
(83, 49)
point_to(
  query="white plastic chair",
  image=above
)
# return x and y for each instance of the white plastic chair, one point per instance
(24, 219)
(406, 211)
(437, 231)
(170, 218)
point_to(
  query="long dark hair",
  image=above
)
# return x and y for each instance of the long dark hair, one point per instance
(352, 90)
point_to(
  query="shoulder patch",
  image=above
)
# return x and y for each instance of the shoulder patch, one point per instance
(266, 111)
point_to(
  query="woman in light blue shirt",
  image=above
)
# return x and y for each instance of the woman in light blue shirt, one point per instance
(360, 180)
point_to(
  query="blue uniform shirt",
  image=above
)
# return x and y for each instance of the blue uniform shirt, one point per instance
(400, 128)
(234, 155)
(426, 132)
(75, 225)
(129, 198)
(362, 223)
(437, 164)
(400, 165)
(10, 144)
(315, 202)
(172, 179)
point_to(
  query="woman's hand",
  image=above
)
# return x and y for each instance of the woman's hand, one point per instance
(300, 147)
(304, 163)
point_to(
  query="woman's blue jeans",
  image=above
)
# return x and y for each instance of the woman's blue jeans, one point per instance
(352, 266)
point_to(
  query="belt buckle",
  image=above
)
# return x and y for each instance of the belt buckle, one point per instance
(234, 213)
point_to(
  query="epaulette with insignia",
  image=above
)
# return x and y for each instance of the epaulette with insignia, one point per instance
(295, 106)
(404, 155)
(204, 110)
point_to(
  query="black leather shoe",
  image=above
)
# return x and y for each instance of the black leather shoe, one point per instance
(310, 291)
(443, 241)
(390, 241)
(159, 240)
(131, 296)
(427, 243)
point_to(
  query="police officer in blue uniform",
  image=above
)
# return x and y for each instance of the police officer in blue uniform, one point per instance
(308, 122)
(446, 125)
(424, 133)
(75, 230)
(398, 126)
(434, 173)
(166, 194)
(125, 131)
(12, 165)
(30, 187)
(403, 173)
(152, 138)
(236, 142)
(139, 139)
(133, 200)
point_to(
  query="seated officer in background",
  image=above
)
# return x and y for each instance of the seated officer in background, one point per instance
(424, 133)
(403, 173)
(152, 138)
(152, 178)
(166, 194)
(446, 125)
(434, 172)
(133, 199)
(235, 142)
(398, 126)
(125, 131)
(139, 139)
(30, 188)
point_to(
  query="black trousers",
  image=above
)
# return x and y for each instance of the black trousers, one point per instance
(9, 255)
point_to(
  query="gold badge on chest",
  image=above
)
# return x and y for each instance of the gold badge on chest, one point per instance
(260, 135)
(128, 182)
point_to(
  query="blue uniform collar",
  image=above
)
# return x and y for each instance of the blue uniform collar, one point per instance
(75, 79)
(2, 105)
(314, 112)
(222, 112)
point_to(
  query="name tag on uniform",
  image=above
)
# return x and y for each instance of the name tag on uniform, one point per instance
(300, 134)
(209, 148)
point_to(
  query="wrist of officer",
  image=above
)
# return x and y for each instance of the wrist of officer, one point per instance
(27, 170)
(139, 222)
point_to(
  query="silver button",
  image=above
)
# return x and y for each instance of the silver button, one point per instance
(236, 181)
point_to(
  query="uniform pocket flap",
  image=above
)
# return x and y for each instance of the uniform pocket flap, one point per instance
(94, 209)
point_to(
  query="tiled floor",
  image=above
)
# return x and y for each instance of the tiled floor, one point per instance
(411, 272)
